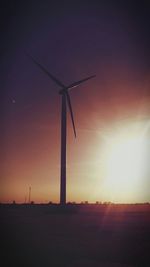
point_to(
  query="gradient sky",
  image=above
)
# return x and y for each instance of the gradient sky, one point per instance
(109, 39)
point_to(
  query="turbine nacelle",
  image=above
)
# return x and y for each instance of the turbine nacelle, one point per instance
(63, 91)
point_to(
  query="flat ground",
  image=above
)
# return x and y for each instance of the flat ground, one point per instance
(78, 236)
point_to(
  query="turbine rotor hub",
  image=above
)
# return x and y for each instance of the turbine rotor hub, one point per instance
(62, 91)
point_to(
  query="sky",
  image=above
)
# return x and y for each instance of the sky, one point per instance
(108, 161)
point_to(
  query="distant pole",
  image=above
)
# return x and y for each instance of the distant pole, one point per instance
(63, 152)
(29, 194)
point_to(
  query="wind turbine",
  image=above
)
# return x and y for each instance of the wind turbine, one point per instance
(65, 101)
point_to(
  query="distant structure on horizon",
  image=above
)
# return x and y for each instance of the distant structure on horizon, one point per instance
(29, 200)
(65, 101)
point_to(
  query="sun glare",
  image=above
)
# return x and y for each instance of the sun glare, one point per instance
(124, 162)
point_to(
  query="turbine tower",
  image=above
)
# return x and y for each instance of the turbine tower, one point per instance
(65, 101)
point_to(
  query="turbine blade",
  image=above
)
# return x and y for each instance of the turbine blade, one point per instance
(71, 112)
(47, 72)
(79, 82)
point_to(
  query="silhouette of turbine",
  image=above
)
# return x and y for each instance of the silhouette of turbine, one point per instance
(65, 100)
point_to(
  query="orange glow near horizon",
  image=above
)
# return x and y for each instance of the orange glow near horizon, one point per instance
(110, 167)
(106, 131)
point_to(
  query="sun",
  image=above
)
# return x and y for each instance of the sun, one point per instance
(124, 160)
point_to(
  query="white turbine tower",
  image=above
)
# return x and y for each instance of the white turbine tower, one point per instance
(65, 100)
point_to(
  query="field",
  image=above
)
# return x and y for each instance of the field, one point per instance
(75, 236)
